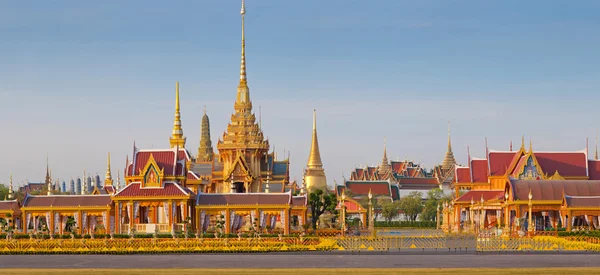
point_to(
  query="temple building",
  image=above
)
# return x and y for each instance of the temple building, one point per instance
(314, 174)
(396, 179)
(513, 189)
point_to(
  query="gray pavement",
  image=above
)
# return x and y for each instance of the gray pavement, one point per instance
(308, 260)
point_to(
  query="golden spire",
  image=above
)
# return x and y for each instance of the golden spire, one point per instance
(385, 158)
(523, 143)
(10, 189)
(108, 180)
(243, 95)
(449, 160)
(530, 146)
(314, 175)
(314, 159)
(177, 138)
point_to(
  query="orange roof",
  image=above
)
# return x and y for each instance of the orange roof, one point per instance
(568, 164)
(462, 174)
(475, 196)
(479, 170)
(499, 162)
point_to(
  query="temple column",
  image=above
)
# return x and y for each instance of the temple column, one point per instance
(185, 214)
(227, 221)
(117, 218)
(80, 222)
(130, 214)
(24, 221)
(286, 225)
(198, 222)
(50, 223)
(568, 219)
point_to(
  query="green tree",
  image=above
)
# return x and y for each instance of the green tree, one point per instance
(389, 209)
(435, 197)
(320, 202)
(3, 191)
(412, 205)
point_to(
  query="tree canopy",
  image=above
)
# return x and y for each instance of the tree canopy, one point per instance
(434, 198)
(389, 210)
(319, 202)
(412, 205)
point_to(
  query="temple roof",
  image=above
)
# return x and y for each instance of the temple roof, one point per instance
(299, 200)
(582, 201)
(13, 205)
(553, 189)
(169, 190)
(462, 174)
(67, 201)
(165, 159)
(244, 199)
(475, 196)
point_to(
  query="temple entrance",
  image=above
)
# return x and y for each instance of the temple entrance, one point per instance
(239, 187)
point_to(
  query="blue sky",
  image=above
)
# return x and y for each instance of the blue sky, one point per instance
(80, 78)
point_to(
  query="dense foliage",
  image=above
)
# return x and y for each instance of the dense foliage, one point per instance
(319, 202)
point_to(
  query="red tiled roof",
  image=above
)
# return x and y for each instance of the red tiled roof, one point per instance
(409, 181)
(351, 206)
(11, 205)
(299, 201)
(165, 158)
(463, 174)
(359, 173)
(476, 195)
(362, 187)
(499, 162)
(520, 164)
(583, 201)
(192, 176)
(553, 189)
(568, 164)
(109, 189)
(244, 199)
(67, 201)
(594, 169)
(398, 166)
(169, 190)
(479, 169)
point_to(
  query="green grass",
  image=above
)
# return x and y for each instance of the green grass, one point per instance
(320, 271)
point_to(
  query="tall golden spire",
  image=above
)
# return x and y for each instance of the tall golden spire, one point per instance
(177, 138)
(385, 166)
(108, 180)
(449, 160)
(48, 181)
(523, 143)
(314, 159)
(314, 175)
(243, 95)
(10, 189)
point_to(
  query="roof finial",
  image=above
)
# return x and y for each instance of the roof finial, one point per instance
(530, 145)
(510, 146)
(10, 188)
(468, 156)
(449, 144)
(243, 61)
(108, 179)
(385, 159)
(177, 135)
(596, 153)
(523, 143)
(205, 109)
(487, 149)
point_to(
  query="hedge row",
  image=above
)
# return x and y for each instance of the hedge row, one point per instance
(595, 234)
(407, 224)
(138, 236)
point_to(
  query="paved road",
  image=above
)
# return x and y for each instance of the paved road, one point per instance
(388, 260)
